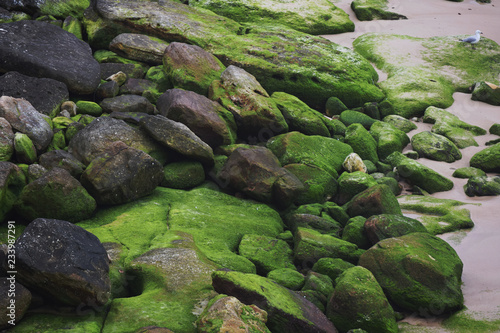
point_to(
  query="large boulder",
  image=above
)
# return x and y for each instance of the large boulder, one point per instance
(288, 312)
(307, 16)
(418, 272)
(439, 67)
(57, 195)
(435, 147)
(257, 172)
(12, 181)
(57, 8)
(178, 137)
(418, 174)
(42, 49)
(253, 109)
(209, 120)
(320, 70)
(64, 262)
(487, 159)
(101, 132)
(23, 117)
(190, 67)
(325, 153)
(45, 95)
(121, 174)
(359, 302)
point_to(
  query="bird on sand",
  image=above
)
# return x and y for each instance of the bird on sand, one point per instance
(473, 39)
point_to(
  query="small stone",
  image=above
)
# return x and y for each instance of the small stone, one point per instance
(354, 163)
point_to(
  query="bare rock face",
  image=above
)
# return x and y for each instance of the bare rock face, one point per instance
(41, 49)
(139, 47)
(11, 290)
(64, 262)
(121, 174)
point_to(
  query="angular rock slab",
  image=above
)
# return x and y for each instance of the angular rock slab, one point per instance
(139, 47)
(64, 262)
(288, 312)
(418, 272)
(207, 119)
(24, 118)
(178, 137)
(121, 174)
(42, 49)
(100, 133)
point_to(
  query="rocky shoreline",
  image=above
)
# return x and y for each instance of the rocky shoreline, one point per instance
(167, 169)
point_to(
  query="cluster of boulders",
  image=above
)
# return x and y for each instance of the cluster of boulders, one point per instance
(89, 126)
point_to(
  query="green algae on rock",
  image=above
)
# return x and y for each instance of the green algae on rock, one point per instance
(367, 10)
(437, 215)
(482, 186)
(435, 147)
(319, 185)
(312, 17)
(358, 301)
(361, 142)
(287, 277)
(389, 139)
(375, 200)
(418, 174)
(487, 159)
(400, 122)
(311, 68)
(449, 125)
(468, 172)
(418, 272)
(429, 75)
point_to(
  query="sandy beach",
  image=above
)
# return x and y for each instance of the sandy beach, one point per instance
(478, 248)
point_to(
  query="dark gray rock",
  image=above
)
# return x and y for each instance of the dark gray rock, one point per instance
(258, 173)
(23, 117)
(63, 261)
(139, 47)
(127, 103)
(41, 49)
(64, 160)
(12, 181)
(208, 119)
(178, 137)
(134, 71)
(6, 140)
(121, 174)
(56, 194)
(46, 95)
(100, 133)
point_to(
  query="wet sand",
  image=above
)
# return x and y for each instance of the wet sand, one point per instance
(479, 248)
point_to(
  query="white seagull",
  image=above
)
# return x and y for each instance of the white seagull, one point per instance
(473, 39)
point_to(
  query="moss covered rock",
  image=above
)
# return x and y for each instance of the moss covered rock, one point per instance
(358, 301)
(55, 195)
(6, 140)
(379, 227)
(418, 174)
(322, 69)
(495, 129)
(482, 186)
(367, 10)
(287, 311)
(325, 153)
(354, 232)
(12, 181)
(486, 92)
(361, 142)
(333, 267)
(447, 124)
(267, 253)
(183, 175)
(468, 172)
(312, 17)
(428, 76)
(351, 184)
(310, 246)
(435, 147)
(287, 277)
(389, 139)
(437, 215)
(299, 116)
(400, 122)
(349, 117)
(418, 272)
(24, 149)
(319, 185)
(375, 200)
(487, 159)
